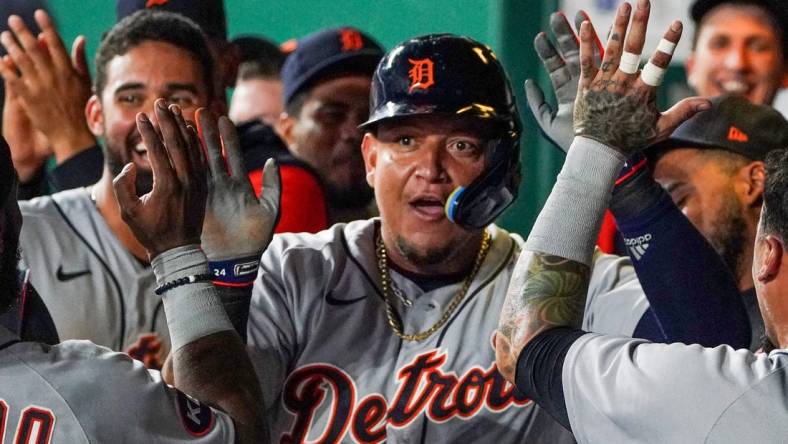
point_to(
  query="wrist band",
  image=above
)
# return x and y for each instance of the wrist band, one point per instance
(234, 272)
(630, 62)
(569, 222)
(161, 289)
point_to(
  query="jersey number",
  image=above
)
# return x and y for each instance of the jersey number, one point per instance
(35, 425)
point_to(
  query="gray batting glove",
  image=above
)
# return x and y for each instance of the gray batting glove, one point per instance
(563, 65)
(237, 224)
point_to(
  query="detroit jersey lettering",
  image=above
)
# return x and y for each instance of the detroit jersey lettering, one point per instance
(333, 371)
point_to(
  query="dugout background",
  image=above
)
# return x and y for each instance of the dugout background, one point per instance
(508, 26)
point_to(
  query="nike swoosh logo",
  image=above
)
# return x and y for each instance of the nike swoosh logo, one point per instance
(331, 300)
(63, 276)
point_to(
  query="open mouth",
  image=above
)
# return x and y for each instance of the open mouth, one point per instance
(735, 86)
(428, 207)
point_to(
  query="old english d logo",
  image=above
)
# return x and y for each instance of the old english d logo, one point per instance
(152, 3)
(421, 74)
(351, 40)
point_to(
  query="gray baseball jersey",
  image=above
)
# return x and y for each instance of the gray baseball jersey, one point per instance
(93, 287)
(333, 370)
(623, 390)
(77, 392)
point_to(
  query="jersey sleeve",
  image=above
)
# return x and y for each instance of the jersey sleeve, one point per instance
(615, 302)
(620, 389)
(115, 396)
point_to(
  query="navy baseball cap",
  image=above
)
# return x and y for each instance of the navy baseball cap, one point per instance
(777, 9)
(327, 51)
(733, 124)
(208, 14)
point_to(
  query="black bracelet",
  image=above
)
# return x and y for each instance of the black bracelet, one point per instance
(182, 281)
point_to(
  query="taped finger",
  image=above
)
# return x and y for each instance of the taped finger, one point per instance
(652, 75)
(630, 63)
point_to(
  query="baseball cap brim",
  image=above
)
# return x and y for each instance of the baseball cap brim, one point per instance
(363, 62)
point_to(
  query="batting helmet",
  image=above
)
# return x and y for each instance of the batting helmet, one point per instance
(458, 76)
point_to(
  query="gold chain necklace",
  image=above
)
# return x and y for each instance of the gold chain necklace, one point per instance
(385, 283)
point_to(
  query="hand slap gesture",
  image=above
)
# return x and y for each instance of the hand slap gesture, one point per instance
(616, 103)
(562, 62)
(237, 224)
(52, 88)
(171, 215)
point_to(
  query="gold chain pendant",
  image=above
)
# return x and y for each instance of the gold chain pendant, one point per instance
(385, 283)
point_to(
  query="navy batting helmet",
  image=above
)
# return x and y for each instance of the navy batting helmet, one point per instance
(456, 76)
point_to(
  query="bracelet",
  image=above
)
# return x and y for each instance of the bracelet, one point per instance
(234, 272)
(163, 288)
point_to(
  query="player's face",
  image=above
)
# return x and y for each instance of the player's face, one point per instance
(326, 136)
(256, 99)
(738, 52)
(414, 164)
(708, 196)
(134, 81)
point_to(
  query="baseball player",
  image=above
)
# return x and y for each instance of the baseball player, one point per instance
(613, 389)
(79, 392)
(89, 267)
(383, 329)
(713, 168)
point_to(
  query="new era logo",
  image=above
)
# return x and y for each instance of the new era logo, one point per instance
(737, 135)
(638, 245)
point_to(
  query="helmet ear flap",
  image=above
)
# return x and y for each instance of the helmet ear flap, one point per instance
(478, 204)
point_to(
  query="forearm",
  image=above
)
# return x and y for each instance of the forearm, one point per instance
(209, 360)
(691, 291)
(548, 287)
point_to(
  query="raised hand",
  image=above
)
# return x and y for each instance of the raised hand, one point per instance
(30, 149)
(52, 88)
(172, 214)
(237, 224)
(563, 65)
(618, 107)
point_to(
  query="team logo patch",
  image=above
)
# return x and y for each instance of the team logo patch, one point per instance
(351, 40)
(196, 417)
(737, 135)
(152, 3)
(421, 74)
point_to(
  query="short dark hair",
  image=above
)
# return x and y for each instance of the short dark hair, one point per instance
(156, 26)
(774, 217)
(260, 69)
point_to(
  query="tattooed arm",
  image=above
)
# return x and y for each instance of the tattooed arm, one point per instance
(615, 115)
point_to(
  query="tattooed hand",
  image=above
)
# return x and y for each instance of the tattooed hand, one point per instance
(617, 108)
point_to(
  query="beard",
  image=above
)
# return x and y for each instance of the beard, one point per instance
(422, 259)
(729, 234)
(116, 161)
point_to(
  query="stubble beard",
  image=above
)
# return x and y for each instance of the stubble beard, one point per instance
(729, 235)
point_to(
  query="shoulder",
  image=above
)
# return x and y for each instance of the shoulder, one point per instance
(329, 244)
(66, 201)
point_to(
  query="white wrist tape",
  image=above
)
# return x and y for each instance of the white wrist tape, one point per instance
(652, 74)
(630, 62)
(666, 46)
(569, 222)
(193, 310)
